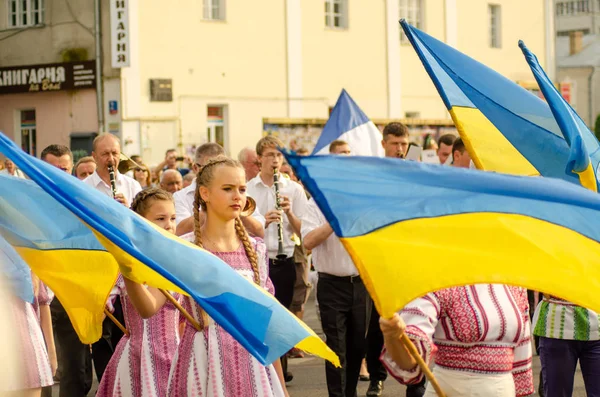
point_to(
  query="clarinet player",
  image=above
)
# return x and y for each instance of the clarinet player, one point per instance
(283, 204)
(106, 150)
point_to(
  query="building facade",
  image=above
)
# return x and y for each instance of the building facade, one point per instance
(216, 70)
(577, 15)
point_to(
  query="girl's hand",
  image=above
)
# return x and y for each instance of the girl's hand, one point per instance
(392, 328)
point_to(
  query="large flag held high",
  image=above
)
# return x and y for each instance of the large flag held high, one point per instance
(414, 228)
(74, 238)
(15, 271)
(579, 138)
(350, 124)
(505, 128)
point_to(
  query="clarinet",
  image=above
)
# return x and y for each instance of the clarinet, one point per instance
(280, 251)
(113, 184)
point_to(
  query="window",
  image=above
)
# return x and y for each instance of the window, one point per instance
(215, 130)
(214, 10)
(23, 13)
(412, 11)
(28, 132)
(336, 12)
(573, 7)
(495, 26)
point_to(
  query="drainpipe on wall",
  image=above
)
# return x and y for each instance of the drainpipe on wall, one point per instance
(99, 92)
(591, 97)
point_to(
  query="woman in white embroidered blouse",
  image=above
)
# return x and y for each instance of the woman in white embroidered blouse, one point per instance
(478, 337)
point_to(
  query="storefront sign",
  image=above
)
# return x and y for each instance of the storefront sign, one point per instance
(119, 33)
(49, 77)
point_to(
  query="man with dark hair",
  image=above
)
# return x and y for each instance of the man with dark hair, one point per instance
(75, 361)
(59, 156)
(170, 163)
(445, 147)
(395, 140)
(460, 156)
(339, 147)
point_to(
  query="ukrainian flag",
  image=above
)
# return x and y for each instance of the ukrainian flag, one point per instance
(74, 238)
(15, 271)
(577, 135)
(505, 128)
(414, 228)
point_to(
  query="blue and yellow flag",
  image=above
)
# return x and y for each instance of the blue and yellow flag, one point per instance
(15, 271)
(505, 128)
(580, 139)
(414, 228)
(74, 238)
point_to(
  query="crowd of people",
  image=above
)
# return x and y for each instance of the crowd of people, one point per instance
(478, 337)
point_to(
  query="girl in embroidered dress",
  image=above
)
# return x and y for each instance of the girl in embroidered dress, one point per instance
(479, 337)
(35, 346)
(210, 362)
(142, 361)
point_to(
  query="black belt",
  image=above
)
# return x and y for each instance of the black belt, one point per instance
(279, 262)
(347, 279)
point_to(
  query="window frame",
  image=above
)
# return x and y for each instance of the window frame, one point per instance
(209, 7)
(28, 14)
(330, 14)
(495, 42)
(413, 11)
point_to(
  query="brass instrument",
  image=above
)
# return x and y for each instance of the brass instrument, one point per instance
(280, 251)
(249, 208)
(126, 164)
(113, 184)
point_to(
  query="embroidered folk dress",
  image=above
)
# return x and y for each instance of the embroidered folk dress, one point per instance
(558, 319)
(141, 363)
(478, 330)
(31, 347)
(211, 362)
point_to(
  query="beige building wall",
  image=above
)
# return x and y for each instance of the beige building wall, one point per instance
(276, 58)
(580, 77)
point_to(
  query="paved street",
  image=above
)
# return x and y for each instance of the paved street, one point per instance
(309, 373)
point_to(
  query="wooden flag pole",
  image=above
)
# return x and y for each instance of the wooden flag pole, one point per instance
(188, 317)
(422, 364)
(117, 323)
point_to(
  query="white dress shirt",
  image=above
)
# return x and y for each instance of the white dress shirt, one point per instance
(265, 201)
(184, 205)
(18, 173)
(126, 185)
(330, 256)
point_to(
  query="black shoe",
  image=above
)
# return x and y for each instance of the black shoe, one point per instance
(364, 378)
(375, 388)
(288, 377)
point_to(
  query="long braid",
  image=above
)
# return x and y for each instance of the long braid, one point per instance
(250, 252)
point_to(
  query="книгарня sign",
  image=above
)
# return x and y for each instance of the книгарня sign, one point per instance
(49, 77)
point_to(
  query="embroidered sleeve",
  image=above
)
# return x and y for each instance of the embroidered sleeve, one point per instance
(263, 260)
(421, 317)
(115, 292)
(45, 295)
(522, 369)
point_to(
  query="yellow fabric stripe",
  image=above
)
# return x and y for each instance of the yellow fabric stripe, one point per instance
(488, 147)
(436, 253)
(81, 280)
(588, 178)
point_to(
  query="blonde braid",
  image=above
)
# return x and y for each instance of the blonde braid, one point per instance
(250, 252)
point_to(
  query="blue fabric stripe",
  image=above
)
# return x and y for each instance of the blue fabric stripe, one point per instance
(15, 271)
(202, 275)
(569, 122)
(346, 116)
(368, 193)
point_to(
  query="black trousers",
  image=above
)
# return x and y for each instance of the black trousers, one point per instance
(103, 350)
(344, 318)
(283, 276)
(76, 363)
(377, 371)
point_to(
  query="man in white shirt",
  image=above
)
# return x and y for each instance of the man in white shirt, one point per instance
(184, 199)
(293, 205)
(11, 169)
(106, 152)
(342, 297)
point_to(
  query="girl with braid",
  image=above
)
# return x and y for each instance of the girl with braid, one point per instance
(210, 362)
(142, 361)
